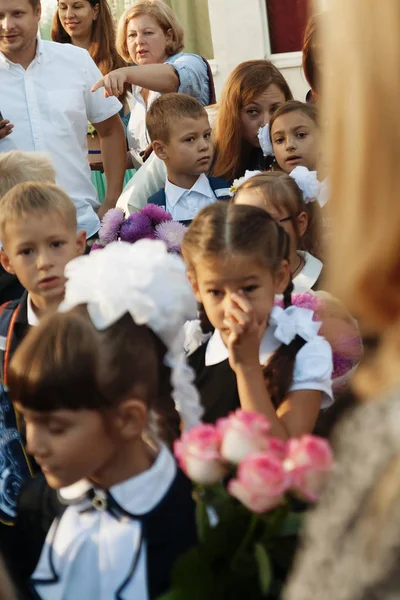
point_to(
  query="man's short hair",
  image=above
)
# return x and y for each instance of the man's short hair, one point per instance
(17, 166)
(35, 198)
(165, 112)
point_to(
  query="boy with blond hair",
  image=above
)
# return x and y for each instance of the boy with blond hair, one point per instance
(180, 132)
(16, 167)
(38, 230)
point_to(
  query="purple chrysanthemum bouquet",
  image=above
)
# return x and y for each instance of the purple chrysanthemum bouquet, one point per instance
(151, 222)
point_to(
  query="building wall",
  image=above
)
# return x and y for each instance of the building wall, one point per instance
(240, 32)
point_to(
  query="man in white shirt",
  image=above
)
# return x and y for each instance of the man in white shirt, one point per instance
(47, 100)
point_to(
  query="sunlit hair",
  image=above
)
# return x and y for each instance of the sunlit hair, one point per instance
(66, 363)
(309, 110)
(164, 17)
(246, 82)
(281, 192)
(34, 198)
(310, 47)
(166, 112)
(362, 137)
(102, 47)
(17, 166)
(224, 230)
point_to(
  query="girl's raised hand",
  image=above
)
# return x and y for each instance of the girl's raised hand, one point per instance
(113, 83)
(245, 333)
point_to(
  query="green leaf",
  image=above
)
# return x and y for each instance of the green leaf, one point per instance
(291, 525)
(192, 576)
(264, 567)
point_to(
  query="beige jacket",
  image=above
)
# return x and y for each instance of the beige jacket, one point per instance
(351, 544)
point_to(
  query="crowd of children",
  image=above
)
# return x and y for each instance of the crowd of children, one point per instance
(105, 358)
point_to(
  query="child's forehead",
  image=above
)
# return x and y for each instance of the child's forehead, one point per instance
(295, 118)
(230, 266)
(189, 124)
(37, 224)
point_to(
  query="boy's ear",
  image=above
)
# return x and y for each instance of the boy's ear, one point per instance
(80, 243)
(160, 149)
(195, 286)
(282, 277)
(5, 263)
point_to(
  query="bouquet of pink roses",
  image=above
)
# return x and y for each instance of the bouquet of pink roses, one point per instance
(246, 485)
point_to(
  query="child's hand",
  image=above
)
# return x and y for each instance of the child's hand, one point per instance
(245, 333)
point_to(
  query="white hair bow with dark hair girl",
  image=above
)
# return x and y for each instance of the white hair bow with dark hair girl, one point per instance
(150, 284)
(312, 189)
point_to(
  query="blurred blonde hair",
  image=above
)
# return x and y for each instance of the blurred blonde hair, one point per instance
(363, 142)
(164, 17)
(17, 166)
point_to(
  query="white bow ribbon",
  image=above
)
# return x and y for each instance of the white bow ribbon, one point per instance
(293, 321)
(311, 188)
(265, 140)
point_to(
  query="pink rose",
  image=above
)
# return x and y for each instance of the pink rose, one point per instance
(261, 482)
(308, 462)
(242, 434)
(198, 454)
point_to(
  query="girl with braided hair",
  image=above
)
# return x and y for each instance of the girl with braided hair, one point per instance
(260, 357)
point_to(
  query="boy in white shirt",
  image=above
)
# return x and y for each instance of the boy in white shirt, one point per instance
(181, 136)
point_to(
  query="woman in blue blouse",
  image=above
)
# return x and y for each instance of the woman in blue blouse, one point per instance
(150, 36)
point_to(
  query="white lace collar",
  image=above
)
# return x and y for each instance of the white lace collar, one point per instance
(309, 274)
(138, 495)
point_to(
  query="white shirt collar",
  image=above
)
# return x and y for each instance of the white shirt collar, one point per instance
(33, 319)
(138, 495)
(309, 274)
(217, 352)
(202, 186)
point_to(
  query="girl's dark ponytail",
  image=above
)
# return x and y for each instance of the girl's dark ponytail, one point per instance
(278, 373)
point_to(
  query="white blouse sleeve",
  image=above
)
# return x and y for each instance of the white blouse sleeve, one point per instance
(313, 369)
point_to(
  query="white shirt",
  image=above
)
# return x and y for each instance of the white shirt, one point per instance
(308, 276)
(184, 204)
(312, 368)
(50, 104)
(90, 551)
(33, 319)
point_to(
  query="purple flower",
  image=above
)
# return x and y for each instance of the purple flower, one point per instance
(110, 225)
(156, 214)
(96, 246)
(172, 234)
(136, 227)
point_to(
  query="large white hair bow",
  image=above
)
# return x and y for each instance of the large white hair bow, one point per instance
(265, 140)
(293, 321)
(150, 284)
(311, 188)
